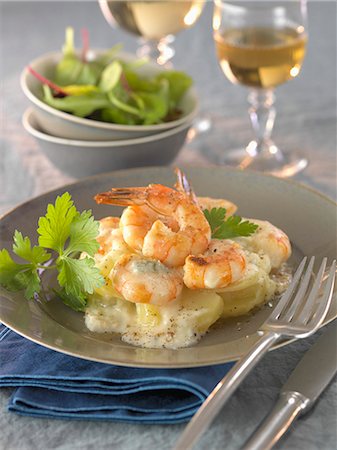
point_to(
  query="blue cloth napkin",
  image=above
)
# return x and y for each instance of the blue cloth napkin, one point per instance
(51, 384)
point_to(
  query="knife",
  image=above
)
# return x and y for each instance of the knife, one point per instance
(309, 379)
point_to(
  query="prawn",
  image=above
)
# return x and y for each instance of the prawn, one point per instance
(110, 236)
(141, 280)
(223, 263)
(183, 185)
(137, 220)
(162, 223)
(270, 240)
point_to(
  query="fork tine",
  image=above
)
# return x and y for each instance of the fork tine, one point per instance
(324, 304)
(310, 300)
(296, 303)
(287, 295)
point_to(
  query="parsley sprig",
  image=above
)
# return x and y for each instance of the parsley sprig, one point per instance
(231, 227)
(66, 232)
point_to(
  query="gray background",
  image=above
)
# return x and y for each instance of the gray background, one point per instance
(306, 120)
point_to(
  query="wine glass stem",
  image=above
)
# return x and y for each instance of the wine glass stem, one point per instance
(159, 50)
(262, 115)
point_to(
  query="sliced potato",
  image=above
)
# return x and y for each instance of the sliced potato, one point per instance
(108, 315)
(200, 309)
(148, 315)
(238, 303)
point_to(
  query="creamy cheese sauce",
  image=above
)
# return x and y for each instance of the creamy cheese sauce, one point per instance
(182, 322)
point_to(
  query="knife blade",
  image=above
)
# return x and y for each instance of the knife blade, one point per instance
(309, 379)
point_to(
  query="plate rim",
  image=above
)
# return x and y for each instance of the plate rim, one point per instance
(167, 365)
(135, 169)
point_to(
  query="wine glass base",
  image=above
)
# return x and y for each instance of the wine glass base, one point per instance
(279, 164)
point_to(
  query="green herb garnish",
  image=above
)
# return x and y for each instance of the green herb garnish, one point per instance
(67, 233)
(231, 227)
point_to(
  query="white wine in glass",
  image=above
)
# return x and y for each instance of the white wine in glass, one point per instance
(261, 45)
(156, 22)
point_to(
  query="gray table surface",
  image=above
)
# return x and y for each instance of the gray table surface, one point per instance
(306, 120)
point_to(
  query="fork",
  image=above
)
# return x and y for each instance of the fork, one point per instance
(298, 314)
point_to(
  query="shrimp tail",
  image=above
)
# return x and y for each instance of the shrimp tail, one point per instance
(122, 196)
(155, 196)
(183, 185)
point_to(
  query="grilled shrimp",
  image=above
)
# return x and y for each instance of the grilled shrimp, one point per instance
(137, 220)
(183, 185)
(166, 226)
(223, 263)
(270, 240)
(142, 280)
(110, 236)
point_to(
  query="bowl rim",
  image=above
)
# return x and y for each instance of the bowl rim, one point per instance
(96, 123)
(29, 113)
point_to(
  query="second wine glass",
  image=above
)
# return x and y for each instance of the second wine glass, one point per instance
(261, 44)
(155, 22)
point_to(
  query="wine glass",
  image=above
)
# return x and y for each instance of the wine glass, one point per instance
(155, 22)
(261, 44)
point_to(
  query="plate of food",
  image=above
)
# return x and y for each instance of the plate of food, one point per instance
(155, 267)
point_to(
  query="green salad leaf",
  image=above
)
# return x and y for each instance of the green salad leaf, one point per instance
(67, 233)
(110, 89)
(179, 83)
(156, 106)
(106, 57)
(141, 84)
(115, 115)
(71, 69)
(68, 48)
(80, 105)
(111, 75)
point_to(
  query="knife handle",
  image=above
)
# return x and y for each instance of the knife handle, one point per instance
(288, 407)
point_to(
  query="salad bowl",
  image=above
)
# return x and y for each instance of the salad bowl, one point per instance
(65, 125)
(80, 158)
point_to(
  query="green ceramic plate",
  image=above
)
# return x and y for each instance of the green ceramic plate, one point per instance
(306, 216)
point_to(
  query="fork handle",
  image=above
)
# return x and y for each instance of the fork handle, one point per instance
(224, 389)
(288, 407)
